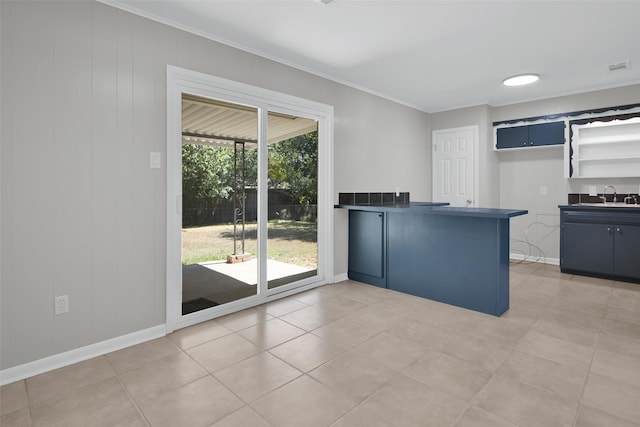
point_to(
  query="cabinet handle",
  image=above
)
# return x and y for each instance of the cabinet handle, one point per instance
(618, 230)
(531, 143)
(525, 144)
(609, 229)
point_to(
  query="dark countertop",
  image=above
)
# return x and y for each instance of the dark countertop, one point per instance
(389, 206)
(435, 208)
(603, 207)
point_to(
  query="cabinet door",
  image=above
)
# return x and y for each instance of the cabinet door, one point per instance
(367, 247)
(626, 251)
(512, 137)
(546, 134)
(587, 247)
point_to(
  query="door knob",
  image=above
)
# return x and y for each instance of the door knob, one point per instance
(469, 201)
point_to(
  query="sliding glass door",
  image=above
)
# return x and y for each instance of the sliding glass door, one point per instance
(292, 180)
(248, 191)
(219, 215)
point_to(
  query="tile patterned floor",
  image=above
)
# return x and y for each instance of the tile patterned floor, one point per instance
(567, 353)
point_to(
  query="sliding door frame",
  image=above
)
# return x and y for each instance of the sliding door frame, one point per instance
(179, 81)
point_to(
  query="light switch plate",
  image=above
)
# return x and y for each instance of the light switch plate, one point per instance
(543, 191)
(154, 160)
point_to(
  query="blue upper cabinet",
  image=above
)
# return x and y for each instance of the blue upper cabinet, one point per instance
(538, 135)
(514, 137)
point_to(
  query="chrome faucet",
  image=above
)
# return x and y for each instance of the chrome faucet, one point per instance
(604, 193)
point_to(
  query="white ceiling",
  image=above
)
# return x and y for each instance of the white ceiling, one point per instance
(431, 55)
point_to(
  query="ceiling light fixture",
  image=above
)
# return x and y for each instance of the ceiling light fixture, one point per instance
(520, 79)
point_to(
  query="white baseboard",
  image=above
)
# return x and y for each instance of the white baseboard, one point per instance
(70, 357)
(340, 278)
(519, 256)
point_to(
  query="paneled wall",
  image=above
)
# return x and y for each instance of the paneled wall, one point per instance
(523, 172)
(83, 104)
(513, 179)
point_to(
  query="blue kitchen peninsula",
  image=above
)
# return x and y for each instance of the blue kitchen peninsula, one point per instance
(455, 255)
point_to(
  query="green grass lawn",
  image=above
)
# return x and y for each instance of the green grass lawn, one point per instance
(293, 242)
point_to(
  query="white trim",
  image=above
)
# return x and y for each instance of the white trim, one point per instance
(76, 355)
(340, 277)
(180, 80)
(234, 306)
(263, 206)
(475, 129)
(262, 54)
(529, 258)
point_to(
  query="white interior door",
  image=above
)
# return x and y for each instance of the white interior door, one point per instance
(455, 166)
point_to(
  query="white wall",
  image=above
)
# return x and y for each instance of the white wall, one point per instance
(83, 103)
(522, 173)
(512, 179)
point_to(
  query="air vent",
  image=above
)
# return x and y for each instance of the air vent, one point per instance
(619, 66)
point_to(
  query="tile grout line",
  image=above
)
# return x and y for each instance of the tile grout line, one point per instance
(474, 399)
(593, 356)
(212, 375)
(126, 390)
(513, 348)
(29, 404)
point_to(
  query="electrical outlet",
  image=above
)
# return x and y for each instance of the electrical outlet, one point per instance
(543, 191)
(62, 304)
(592, 190)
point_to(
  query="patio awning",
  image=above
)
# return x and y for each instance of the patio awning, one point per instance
(221, 124)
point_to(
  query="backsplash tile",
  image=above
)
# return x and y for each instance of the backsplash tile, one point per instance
(362, 198)
(573, 198)
(346, 198)
(373, 199)
(388, 197)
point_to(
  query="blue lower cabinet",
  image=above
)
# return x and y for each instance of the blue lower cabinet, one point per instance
(587, 248)
(367, 247)
(626, 251)
(603, 242)
(456, 259)
(450, 259)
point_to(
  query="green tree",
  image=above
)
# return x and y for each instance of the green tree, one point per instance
(293, 166)
(207, 180)
(208, 174)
